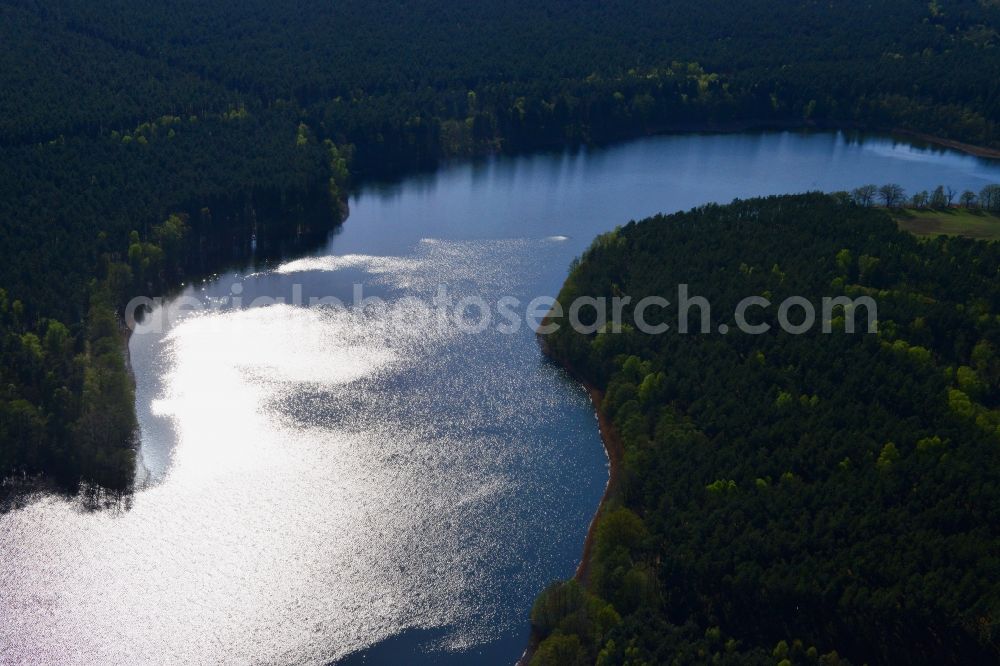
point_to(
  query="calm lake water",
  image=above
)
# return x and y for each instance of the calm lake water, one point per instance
(325, 483)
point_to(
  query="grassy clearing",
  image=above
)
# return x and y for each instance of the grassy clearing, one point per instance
(953, 222)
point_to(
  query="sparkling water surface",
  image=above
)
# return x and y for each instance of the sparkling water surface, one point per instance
(359, 484)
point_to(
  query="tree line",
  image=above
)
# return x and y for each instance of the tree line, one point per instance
(893, 195)
(252, 118)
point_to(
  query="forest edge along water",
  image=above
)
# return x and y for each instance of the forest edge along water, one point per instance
(289, 485)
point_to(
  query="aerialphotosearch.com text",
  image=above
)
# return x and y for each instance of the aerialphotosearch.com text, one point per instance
(684, 313)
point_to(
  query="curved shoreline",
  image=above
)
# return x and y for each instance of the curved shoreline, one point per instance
(611, 440)
(343, 212)
(614, 449)
(734, 127)
(613, 445)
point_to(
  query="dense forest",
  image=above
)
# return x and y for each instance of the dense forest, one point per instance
(142, 144)
(794, 499)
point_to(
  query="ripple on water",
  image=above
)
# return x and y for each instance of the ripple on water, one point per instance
(326, 479)
(339, 476)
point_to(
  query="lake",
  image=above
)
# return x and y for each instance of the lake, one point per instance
(373, 483)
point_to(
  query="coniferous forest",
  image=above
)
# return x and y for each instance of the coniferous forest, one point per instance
(797, 499)
(789, 499)
(252, 118)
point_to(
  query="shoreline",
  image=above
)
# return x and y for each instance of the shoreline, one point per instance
(967, 148)
(731, 127)
(611, 440)
(614, 449)
(764, 125)
(911, 137)
(908, 136)
(343, 212)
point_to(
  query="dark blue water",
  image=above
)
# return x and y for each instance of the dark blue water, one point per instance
(360, 484)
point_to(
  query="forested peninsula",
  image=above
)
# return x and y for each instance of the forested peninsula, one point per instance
(814, 498)
(143, 144)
